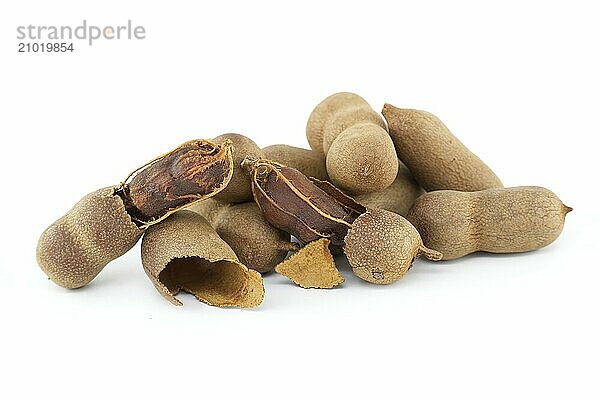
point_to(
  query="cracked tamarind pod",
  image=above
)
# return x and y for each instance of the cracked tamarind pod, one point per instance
(184, 253)
(435, 157)
(196, 170)
(106, 223)
(380, 245)
(310, 162)
(292, 202)
(360, 155)
(258, 244)
(510, 220)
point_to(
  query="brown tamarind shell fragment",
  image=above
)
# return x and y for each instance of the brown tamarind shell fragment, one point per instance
(184, 253)
(195, 170)
(292, 202)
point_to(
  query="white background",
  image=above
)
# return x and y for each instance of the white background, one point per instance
(516, 82)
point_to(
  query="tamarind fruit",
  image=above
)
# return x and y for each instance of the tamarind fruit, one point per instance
(360, 155)
(310, 162)
(398, 197)
(322, 113)
(381, 246)
(509, 220)
(435, 157)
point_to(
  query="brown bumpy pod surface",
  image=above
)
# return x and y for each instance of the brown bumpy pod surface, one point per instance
(239, 188)
(507, 220)
(97, 230)
(184, 252)
(436, 158)
(362, 159)
(310, 162)
(381, 246)
(258, 245)
(347, 117)
(397, 198)
(322, 113)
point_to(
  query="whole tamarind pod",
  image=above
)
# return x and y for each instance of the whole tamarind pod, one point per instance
(381, 246)
(310, 162)
(360, 155)
(106, 223)
(397, 198)
(322, 113)
(510, 220)
(184, 252)
(436, 158)
(239, 189)
(258, 245)
(293, 203)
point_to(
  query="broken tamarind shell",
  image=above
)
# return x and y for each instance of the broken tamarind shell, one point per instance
(106, 223)
(184, 253)
(196, 170)
(312, 266)
(292, 202)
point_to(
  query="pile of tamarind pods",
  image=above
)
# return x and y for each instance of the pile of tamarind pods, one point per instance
(383, 189)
